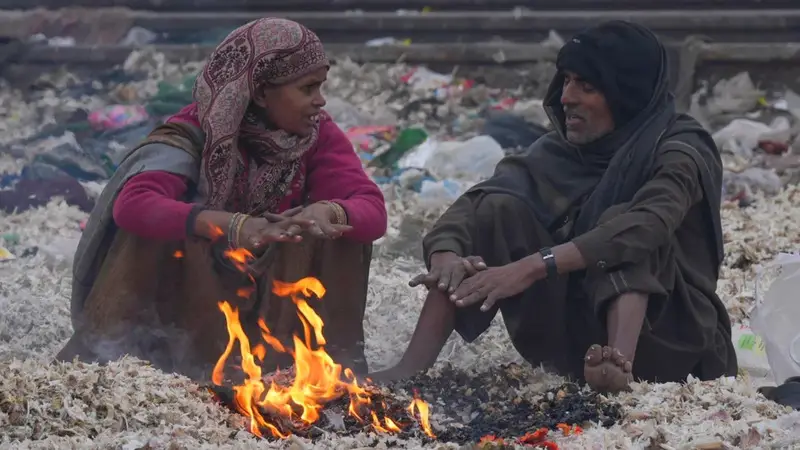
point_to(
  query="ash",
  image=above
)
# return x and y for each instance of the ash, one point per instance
(492, 403)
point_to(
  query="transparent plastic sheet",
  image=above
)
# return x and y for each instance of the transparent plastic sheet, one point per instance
(776, 316)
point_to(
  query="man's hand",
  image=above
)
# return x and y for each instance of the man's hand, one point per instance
(495, 283)
(448, 270)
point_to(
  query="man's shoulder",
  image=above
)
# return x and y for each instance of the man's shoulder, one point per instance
(545, 142)
(688, 137)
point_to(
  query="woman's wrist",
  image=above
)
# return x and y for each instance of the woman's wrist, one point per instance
(212, 224)
(338, 215)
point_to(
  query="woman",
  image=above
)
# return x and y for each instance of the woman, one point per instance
(254, 163)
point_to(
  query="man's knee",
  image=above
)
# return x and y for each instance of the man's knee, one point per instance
(498, 208)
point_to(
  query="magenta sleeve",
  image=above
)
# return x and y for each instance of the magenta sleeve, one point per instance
(335, 173)
(150, 205)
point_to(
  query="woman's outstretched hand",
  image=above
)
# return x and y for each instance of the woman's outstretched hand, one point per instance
(318, 220)
(258, 232)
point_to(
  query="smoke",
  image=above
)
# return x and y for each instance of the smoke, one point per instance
(165, 347)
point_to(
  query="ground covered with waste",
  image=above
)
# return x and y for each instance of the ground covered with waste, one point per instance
(424, 138)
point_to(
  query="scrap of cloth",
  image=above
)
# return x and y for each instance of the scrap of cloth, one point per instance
(642, 204)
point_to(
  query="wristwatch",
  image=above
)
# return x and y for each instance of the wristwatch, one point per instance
(549, 262)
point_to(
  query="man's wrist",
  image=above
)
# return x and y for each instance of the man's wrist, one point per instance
(535, 268)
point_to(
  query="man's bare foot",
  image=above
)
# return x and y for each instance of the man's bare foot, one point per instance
(607, 370)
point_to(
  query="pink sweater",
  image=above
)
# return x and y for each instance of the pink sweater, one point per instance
(150, 204)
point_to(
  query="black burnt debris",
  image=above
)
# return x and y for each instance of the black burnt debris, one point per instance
(486, 404)
(465, 408)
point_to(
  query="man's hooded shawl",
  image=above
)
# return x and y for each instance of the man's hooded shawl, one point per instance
(556, 178)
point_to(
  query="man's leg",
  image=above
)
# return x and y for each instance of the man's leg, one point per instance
(652, 333)
(610, 367)
(538, 321)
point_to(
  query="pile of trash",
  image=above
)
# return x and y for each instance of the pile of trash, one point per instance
(424, 137)
(758, 133)
(430, 133)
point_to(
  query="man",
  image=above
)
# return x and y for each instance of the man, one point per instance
(601, 246)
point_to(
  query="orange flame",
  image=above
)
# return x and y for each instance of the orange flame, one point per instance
(215, 233)
(239, 257)
(317, 378)
(421, 407)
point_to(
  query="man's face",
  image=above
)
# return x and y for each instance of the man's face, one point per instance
(587, 115)
(294, 107)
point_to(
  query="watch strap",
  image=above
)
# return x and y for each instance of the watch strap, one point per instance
(549, 262)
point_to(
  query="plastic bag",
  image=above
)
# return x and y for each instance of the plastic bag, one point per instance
(776, 317)
(434, 194)
(750, 351)
(736, 95)
(741, 136)
(751, 181)
(474, 159)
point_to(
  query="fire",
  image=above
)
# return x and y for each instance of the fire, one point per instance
(318, 379)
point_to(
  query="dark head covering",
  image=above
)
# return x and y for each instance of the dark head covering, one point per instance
(555, 177)
(620, 59)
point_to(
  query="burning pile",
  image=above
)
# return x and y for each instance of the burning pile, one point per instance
(318, 395)
(295, 406)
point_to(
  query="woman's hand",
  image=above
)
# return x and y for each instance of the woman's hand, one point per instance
(319, 220)
(256, 232)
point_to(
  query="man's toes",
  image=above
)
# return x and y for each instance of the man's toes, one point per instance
(627, 367)
(618, 358)
(594, 356)
(607, 352)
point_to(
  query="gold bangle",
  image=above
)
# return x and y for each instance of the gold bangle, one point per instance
(232, 229)
(340, 215)
(239, 227)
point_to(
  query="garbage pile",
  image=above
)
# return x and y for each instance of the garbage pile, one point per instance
(427, 132)
(424, 137)
(758, 133)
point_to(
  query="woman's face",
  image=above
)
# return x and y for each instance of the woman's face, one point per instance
(294, 107)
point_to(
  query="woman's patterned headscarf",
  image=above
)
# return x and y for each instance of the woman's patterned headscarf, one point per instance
(266, 51)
